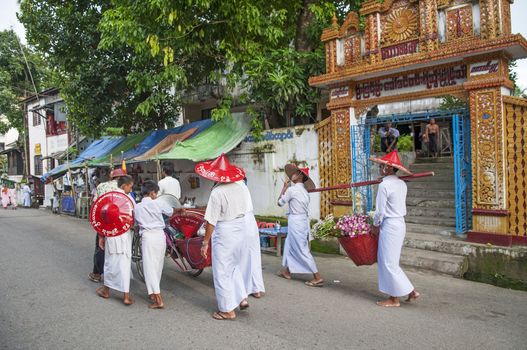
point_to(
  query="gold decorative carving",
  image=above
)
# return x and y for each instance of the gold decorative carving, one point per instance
(487, 149)
(401, 24)
(341, 151)
(325, 162)
(515, 110)
(459, 24)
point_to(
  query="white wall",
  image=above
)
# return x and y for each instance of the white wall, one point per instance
(264, 163)
(37, 135)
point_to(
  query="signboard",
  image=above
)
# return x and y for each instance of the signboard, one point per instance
(269, 136)
(57, 143)
(482, 68)
(399, 49)
(38, 150)
(339, 92)
(424, 80)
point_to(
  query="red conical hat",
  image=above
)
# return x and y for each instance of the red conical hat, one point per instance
(112, 214)
(392, 159)
(220, 170)
(118, 173)
(290, 169)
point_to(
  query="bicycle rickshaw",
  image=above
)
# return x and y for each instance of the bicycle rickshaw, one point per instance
(183, 241)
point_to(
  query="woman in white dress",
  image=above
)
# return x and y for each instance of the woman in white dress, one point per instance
(297, 256)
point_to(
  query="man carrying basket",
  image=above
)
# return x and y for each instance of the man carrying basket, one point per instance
(390, 210)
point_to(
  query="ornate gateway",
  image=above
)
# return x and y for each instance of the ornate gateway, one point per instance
(414, 49)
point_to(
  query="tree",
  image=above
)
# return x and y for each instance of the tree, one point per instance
(125, 61)
(15, 78)
(94, 81)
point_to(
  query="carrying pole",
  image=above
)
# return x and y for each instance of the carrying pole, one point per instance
(371, 182)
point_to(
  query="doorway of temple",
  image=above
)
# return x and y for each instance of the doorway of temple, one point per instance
(441, 204)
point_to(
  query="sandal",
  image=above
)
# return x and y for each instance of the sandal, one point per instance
(93, 278)
(218, 315)
(281, 274)
(257, 295)
(244, 305)
(315, 284)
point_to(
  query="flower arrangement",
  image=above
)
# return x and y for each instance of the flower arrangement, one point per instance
(324, 229)
(347, 226)
(354, 225)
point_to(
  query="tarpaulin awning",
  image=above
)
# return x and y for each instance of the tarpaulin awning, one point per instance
(96, 149)
(160, 141)
(129, 142)
(220, 138)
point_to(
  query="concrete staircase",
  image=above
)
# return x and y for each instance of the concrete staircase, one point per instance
(430, 242)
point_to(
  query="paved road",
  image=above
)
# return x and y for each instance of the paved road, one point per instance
(48, 303)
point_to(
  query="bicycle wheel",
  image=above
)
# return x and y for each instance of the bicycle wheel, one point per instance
(137, 255)
(183, 264)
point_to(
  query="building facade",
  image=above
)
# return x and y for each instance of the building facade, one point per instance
(411, 50)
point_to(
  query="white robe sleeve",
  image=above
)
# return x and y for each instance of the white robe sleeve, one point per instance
(380, 205)
(213, 211)
(286, 197)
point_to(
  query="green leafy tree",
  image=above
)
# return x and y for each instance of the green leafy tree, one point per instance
(94, 81)
(128, 64)
(15, 78)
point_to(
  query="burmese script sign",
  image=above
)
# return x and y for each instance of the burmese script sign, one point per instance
(484, 68)
(426, 80)
(339, 92)
(399, 49)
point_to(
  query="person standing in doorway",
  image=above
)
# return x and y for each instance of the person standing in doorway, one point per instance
(389, 137)
(169, 184)
(432, 132)
(388, 223)
(297, 256)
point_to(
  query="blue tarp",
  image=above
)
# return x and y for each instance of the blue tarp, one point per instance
(158, 135)
(97, 148)
(104, 146)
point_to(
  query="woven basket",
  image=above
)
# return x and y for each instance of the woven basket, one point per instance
(362, 249)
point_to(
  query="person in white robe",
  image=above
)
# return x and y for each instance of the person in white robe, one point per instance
(252, 257)
(226, 227)
(297, 257)
(118, 255)
(26, 191)
(149, 217)
(388, 222)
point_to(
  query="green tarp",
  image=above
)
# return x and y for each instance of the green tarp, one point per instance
(220, 138)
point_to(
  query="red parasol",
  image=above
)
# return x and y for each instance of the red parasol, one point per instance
(112, 214)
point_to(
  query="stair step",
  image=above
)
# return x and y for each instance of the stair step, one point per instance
(426, 229)
(431, 212)
(434, 160)
(438, 243)
(431, 167)
(449, 264)
(431, 186)
(437, 194)
(431, 202)
(430, 220)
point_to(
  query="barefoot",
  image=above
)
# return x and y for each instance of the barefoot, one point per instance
(127, 299)
(152, 297)
(257, 295)
(390, 302)
(244, 304)
(413, 296)
(103, 292)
